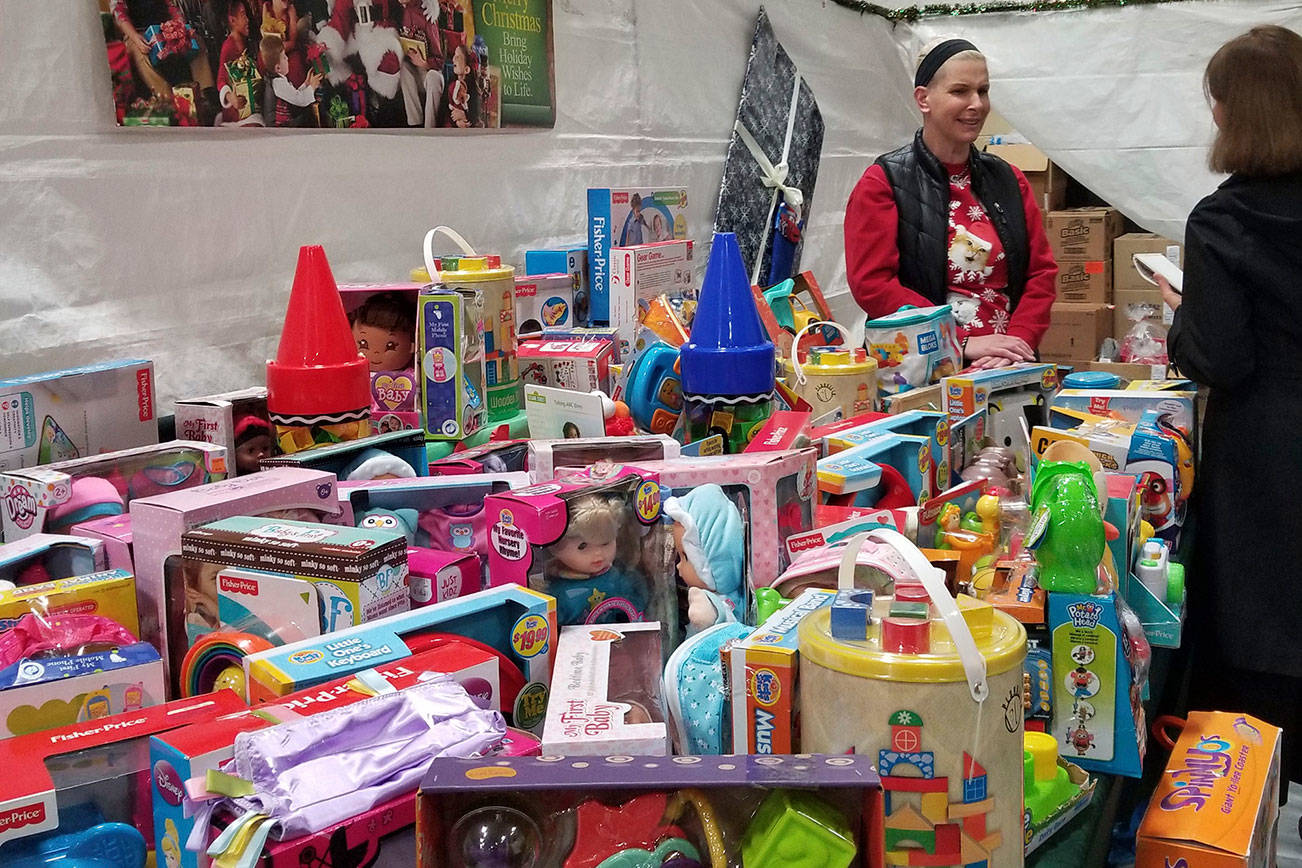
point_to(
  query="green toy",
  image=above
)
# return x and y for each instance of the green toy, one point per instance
(1066, 527)
(796, 829)
(767, 601)
(1047, 785)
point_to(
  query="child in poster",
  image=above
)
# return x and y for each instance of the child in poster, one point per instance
(422, 65)
(461, 96)
(290, 101)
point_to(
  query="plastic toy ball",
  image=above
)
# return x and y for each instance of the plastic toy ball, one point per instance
(232, 677)
(495, 838)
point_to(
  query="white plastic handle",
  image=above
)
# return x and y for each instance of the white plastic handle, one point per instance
(431, 263)
(795, 345)
(933, 579)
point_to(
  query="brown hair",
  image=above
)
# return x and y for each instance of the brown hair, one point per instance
(271, 48)
(386, 310)
(1256, 80)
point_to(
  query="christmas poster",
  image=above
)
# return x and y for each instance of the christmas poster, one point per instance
(338, 64)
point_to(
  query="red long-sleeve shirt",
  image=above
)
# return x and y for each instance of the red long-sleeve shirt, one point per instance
(872, 257)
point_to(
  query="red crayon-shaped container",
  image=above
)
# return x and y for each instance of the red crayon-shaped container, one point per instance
(318, 386)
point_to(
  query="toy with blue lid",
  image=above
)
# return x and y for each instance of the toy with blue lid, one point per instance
(931, 687)
(914, 347)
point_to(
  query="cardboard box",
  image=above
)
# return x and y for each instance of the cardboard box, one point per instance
(547, 458)
(571, 260)
(1217, 803)
(563, 364)
(335, 458)
(1124, 247)
(114, 531)
(450, 354)
(1075, 331)
(211, 419)
(544, 301)
(104, 761)
(762, 678)
(59, 415)
(1047, 179)
(1083, 233)
(662, 216)
(52, 556)
(640, 273)
(1084, 281)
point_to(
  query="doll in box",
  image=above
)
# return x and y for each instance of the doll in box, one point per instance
(253, 440)
(582, 573)
(711, 548)
(385, 330)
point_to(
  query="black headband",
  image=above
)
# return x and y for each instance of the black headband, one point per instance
(937, 57)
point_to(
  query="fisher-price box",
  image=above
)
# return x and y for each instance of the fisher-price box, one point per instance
(762, 671)
(450, 359)
(44, 556)
(157, 524)
(571, 261)
(606, 693)
(563, 364)
(789, 811)
(109, 594)
(621, 218)
(1217, 802)
(515, 622)
(192, 751)
(211, 418)
(544, 301)
(775, 492)
(77, 412)
(918, 423)
(1008, 396)
(640, 273)
(53, 497)
(77, 777)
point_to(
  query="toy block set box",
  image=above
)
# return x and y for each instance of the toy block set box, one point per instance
(606, 693)
(192, 751)
(84, 788)
(774, 491)
(232, 420)
(640, 273)
(763, 669)
(544, 301)
(598, 547)
(808, 810)
(623, 218)
(580, 366)
(158, 522)
(359, 574)
(54, 497)
(59, 415)
(1217, 802)
(383, 321)
(518, 625)
(44, 556)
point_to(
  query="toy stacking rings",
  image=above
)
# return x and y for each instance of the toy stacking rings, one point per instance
(217, 661)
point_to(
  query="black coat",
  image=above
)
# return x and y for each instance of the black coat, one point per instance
(1239, 332)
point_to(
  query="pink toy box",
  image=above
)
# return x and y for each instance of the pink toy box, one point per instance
(190, 752)
(565, 364)
(114, 531)
(606, 693)
(547, 458)
(44, 556)
(76, 777)
(776, 491)
(60, 415)
(213, 418)
(598, 547)
(496, 456)
(158, 522)
(395, 393)
(54, 497)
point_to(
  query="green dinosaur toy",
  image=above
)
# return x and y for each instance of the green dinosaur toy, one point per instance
(1066, 527)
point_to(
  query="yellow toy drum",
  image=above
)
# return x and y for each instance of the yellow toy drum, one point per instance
(931, 688)
(833, 378)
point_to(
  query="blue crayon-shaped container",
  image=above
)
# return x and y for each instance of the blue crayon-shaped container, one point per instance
(728, 365)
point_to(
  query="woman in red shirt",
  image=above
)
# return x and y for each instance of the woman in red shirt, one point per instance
(939, 222)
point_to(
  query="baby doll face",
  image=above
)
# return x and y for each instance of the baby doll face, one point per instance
(249, 453)
(686, 571)
(586, 555)
(201, 592)
(384, 350)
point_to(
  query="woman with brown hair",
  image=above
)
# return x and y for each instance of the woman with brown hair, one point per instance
(1238, 331)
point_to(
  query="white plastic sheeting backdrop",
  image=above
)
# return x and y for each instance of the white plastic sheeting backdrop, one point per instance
(179, 245)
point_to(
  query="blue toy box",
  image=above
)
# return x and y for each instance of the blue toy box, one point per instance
(931, 424)
(858, 471)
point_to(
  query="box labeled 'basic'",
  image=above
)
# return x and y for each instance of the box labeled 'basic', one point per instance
(1083, 233)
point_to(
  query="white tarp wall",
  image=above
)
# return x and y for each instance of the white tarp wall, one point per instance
(179, 245)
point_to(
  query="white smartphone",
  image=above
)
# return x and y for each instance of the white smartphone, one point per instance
(1149, 264)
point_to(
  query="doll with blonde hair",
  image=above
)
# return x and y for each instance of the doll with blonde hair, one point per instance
(582, 572)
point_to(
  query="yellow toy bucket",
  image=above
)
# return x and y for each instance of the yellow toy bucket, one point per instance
(933, 692)
(833, 378)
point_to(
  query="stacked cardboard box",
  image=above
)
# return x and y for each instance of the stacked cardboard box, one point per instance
(1081, 240)
(1135, 298)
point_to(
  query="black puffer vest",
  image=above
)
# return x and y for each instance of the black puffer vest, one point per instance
(921, 187)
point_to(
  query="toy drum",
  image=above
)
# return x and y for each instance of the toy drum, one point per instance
(833, 378)
(931, 688)
(495, 284)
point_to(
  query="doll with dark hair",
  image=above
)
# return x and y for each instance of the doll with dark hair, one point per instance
(253, 438)
(385, 330)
